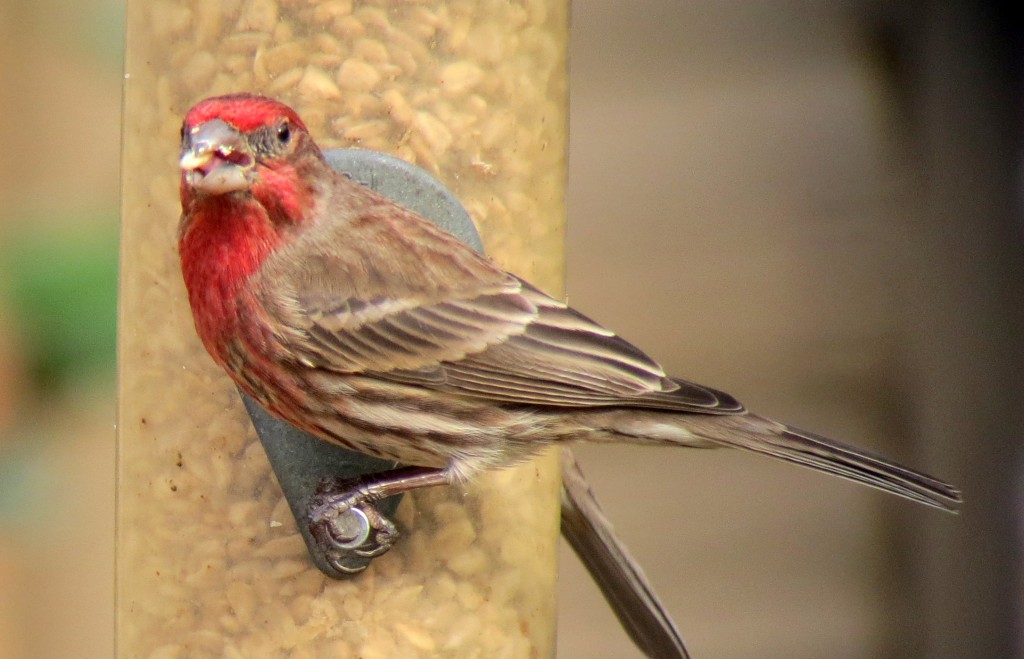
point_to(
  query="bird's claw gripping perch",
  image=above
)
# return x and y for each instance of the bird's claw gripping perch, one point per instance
(347, 526)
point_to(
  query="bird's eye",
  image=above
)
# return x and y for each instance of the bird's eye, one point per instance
(284, 133)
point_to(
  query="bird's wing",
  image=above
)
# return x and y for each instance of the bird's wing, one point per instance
(563, 358)
(514, 345)
(434, 314)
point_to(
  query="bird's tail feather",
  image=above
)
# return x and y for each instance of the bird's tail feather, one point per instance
(832, 457)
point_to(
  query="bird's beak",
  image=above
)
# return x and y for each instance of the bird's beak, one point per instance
(216, 159)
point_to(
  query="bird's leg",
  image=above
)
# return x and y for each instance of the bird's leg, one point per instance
(344, 521)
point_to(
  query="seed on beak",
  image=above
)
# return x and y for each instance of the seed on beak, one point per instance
(217, 160)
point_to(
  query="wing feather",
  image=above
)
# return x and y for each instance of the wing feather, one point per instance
(451, 321)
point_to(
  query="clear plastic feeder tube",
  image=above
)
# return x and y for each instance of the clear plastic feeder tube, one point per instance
(209, 561)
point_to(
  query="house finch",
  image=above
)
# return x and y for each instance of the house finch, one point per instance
(364, 324)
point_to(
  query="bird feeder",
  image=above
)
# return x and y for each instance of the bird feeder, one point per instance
(210, 561)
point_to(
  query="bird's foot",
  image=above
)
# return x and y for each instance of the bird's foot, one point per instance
(347, 526)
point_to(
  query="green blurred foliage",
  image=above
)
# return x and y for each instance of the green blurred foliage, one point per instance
(60, 281)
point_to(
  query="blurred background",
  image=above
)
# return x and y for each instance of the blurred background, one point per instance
(814, 206)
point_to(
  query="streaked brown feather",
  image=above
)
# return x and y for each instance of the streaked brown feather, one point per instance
(449, 320)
